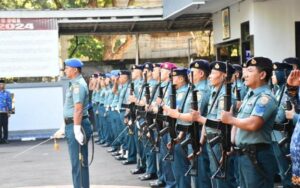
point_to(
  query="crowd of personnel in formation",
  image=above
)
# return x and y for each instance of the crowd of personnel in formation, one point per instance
(213, 124)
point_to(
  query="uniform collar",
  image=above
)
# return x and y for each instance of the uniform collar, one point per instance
(201, 84)
(260, 89)
(76, 78)
(182, 88)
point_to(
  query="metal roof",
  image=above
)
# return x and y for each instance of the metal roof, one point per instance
(135, 25)
(116, 20)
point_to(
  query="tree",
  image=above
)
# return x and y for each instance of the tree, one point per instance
(86, 47)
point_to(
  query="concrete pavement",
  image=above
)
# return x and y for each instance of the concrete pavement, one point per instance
(44, 167)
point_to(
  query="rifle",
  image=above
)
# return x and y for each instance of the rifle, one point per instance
(288, 126)
(171, 122)
(131, 115)
(158, 122)
(225, 132)
(144, 126)
(238, 91)
(194, 138)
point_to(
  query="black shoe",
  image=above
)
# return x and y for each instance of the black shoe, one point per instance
(120, 158)
(157, 183)
(1, 141)
(106, 145)
(137, 171)
(5, 142)
(128, 162)
(101, 142)
(97, 141)
(110, 150)
(115, 153)
(146, 177)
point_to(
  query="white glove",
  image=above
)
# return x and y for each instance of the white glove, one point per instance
(60, 133)
(78, 134)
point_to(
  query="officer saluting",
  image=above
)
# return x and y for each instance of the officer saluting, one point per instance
(254, 126)
(77, 125)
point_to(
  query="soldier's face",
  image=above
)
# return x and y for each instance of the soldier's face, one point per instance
(197, 74)
(70, 72)
(164, 74)
(253, 77)
(123, 79)
(216, 77)
(274, 79)
(2, 86)
(155, 73)
(136, 73)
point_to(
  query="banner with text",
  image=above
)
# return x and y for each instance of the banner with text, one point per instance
(29, 47)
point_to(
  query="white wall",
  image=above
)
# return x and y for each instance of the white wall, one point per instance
(272, 22)
(37, 108)
(274, 28)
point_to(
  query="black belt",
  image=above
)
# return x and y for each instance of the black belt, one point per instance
(101, 104)
(70, 120)
(125, 105)
(184, 128)
(278, 127)
(141, 108)
(251, 150)
(243, 149)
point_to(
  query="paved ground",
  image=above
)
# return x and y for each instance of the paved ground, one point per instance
(45, 168)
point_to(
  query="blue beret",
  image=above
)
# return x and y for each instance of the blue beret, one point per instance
(200, 64)
(108, 75)
(139, 67)
(221, 66)
(74, 62)
(180, 72)
(115, 73)
(125, 72)
(148, 66)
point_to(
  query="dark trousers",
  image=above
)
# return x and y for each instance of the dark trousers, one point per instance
(4, 126)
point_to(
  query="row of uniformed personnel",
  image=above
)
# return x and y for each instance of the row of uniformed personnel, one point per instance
(127, 103)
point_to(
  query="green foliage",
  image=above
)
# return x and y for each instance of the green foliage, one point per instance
(53, 4)
(86, 47)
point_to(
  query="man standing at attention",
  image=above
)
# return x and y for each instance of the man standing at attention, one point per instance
(77, 125)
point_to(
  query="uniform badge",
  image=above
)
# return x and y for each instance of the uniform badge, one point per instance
(264, 100)
(199, 96)
(147, 66)
(253, 62)
(166, 66)
(217, 66)
(76, 89)
(196, 65)
(180, 96)
(174, 73)
(221, 104)
(274, 67)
